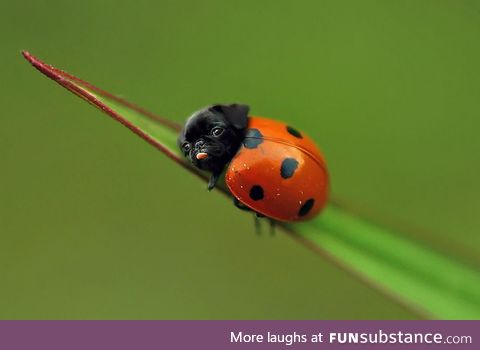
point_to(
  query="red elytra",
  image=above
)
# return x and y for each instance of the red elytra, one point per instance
(278, 172)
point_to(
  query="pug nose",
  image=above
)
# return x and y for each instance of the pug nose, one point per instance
(199, 143)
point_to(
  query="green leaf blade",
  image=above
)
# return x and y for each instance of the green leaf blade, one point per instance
(425, 281)
(417, 276)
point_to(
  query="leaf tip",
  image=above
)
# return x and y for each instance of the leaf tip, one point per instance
(44, 68)
(29, 57)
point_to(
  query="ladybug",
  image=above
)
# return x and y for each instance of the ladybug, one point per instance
(270, 167)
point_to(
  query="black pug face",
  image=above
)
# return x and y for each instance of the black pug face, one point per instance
(212, 136)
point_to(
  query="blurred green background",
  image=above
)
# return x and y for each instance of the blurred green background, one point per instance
(95, 223)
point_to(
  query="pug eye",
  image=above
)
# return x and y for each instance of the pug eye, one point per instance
(217, 131)
(186, 147)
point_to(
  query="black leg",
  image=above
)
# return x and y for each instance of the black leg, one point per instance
(240, 205)
(258, 230)
(257, 217)
(213, 181)
(272, 226)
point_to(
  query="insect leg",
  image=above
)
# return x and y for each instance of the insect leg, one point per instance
(240, 205)
(272, 226)
(258, 228)
(213, 181)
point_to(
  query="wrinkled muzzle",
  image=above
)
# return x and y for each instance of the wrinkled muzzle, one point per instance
(208, 155)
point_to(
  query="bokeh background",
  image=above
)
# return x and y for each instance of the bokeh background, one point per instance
(95, 223)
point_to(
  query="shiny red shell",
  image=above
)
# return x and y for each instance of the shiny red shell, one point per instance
(278, 172)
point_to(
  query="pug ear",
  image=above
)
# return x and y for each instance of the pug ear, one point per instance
(235, 114)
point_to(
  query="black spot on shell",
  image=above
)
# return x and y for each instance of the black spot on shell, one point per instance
(306, 207)
(294, 132)
(256, 192)
(289, 165)
(253, 137)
